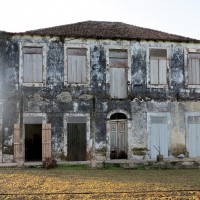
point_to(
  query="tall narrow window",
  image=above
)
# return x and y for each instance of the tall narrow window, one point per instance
(77, 65)
(194, 68)
(32, 64)
(118, 62)
(158, 66)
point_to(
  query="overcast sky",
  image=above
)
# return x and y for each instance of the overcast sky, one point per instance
(181, 17)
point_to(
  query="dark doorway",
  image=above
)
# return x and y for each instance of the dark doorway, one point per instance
(76, 141)
(33, 142)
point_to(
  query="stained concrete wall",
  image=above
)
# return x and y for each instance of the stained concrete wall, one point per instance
(56, 99)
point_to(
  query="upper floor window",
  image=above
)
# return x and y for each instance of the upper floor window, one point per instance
(193, 68)
(32, 62)
(77, 64)
(118, 63)
(158, 66)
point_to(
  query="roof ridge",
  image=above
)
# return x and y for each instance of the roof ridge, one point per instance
(108, 30)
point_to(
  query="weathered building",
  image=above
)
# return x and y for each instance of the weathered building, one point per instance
(98, 91)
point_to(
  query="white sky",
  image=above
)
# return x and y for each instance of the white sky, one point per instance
(181, 17)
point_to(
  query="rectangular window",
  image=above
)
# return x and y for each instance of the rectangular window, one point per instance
(77, 65)
(193, 68)
(118, 62)
(32, 65)
(158, 66)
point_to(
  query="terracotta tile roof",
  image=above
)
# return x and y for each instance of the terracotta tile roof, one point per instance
(108, 30)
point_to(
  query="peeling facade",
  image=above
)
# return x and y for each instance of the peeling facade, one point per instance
(149, 119)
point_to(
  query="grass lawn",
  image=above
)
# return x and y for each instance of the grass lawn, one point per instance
(81, 183)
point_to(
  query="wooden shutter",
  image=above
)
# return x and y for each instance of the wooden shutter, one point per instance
(77, 67)
(158, 66)
(162, 72)
(193, 69)
(118, 83)
(159, 136)
(17, 145)
(32, 65)
(194, 136)
(122, 136)
(113, 136)
(154, 72)
(46, 141)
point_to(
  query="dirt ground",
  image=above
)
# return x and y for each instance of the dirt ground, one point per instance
(79, 183)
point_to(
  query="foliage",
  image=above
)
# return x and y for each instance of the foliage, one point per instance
(73, 167)
(49, 163)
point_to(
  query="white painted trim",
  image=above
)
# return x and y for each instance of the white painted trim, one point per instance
(149, 85)
(71, 45)
(44, 60)
(186, 65)
(43, 115)
(88, 137)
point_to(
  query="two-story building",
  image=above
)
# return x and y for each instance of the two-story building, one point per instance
(98, 90)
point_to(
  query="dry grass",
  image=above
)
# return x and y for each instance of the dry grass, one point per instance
(78, 183)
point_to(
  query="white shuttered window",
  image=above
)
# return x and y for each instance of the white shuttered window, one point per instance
(32, 64)
(118, 62)
(194, 68)
(76, 65)
(158, 66)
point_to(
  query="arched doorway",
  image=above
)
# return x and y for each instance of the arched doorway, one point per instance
(118, 136)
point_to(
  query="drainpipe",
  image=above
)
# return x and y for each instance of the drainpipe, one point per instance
(20, 160)
(93, 158)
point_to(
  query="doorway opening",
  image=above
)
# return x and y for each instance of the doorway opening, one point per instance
(118, 136)
(33, 142)
(76, 143)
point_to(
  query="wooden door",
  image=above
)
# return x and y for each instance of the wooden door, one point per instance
(17, 145)
(118, 139)
(46, 141)
(76, 141)
(159, 137)
(194, 136)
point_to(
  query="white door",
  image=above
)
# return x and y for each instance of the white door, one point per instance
(158, 136)
(194, 136)
(118, 139)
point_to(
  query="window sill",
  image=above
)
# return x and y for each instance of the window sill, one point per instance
(157, 86)
(33, 84)
(77, 84)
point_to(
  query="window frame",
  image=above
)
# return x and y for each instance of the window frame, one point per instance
(149, 84)
(108, 68)
(186, 66)
(44, 61)
(77, 46)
